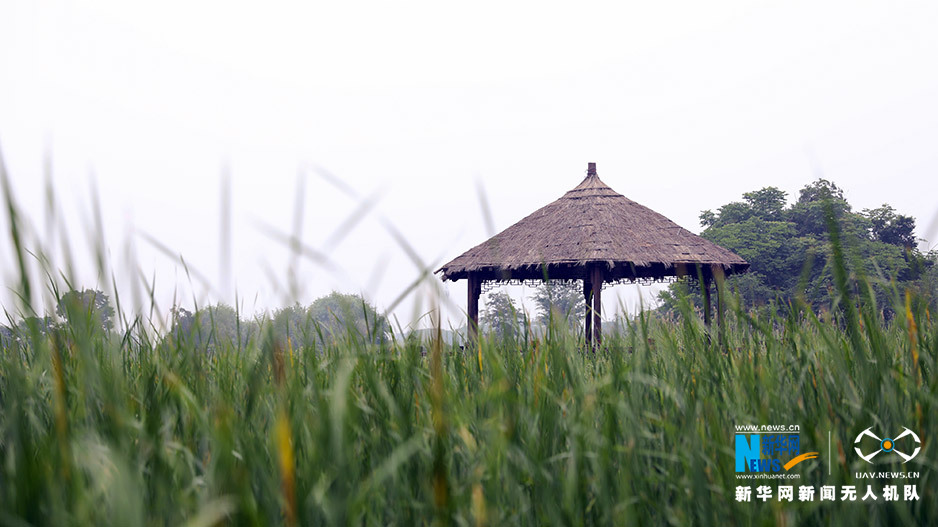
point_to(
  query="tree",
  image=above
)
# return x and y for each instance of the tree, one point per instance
(343, 314)
(789, 250)
(500, 316)
(7, 337)
(296, 324)
(768, 203)
(820, 190)
(562, 300)
(86, 308)
(328, 317)
(809, 212)
(889, 227)
(211, 328)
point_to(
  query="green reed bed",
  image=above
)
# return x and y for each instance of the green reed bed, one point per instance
(96, 429)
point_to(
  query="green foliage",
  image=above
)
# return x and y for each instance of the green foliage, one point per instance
(25, 328)
(86, 308)
(789, 248)
(296, 324)
(86, 312)
(333, 317)
(7, 336)
(561, 301)
(889, 227)
(211, 328)
(501, 317)
(341, 314)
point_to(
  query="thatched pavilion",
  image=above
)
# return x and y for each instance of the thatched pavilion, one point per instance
(599, 236)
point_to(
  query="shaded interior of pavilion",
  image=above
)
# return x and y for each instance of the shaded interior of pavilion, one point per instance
(710, 281)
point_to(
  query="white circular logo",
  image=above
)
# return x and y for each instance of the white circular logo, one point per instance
(888, 445)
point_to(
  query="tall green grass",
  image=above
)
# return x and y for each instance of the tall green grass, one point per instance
(135, 429)
(99, 430)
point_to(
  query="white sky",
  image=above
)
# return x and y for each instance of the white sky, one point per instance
(683, 105)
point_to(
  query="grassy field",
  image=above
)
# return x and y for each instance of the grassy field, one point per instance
(122, 430)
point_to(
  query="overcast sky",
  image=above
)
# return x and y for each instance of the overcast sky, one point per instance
(395, 114)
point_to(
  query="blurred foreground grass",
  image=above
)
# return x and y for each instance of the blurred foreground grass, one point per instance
(98, 429)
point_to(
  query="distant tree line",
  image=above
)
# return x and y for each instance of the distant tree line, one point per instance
(789, 248)
(333, 317)
(85, 311)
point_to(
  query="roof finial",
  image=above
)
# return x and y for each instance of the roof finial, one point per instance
(591, 169)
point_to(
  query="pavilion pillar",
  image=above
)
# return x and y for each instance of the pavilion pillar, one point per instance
(472, 305)
(596, 278)
(588, 295)
(718, 279)
(706, 299)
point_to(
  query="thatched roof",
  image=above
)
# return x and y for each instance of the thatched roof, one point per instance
(592, 224)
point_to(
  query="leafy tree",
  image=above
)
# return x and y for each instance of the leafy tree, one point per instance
(44, 325)
(789, 251)
(342, 314)
(86, 308)
(820, 190)
(7, 337)
(328, 317)
(500, 316)
(562, 300)
(809, 213)
(768, 203)
(212, 327)
(889, 227)
(729, 213)
(23, 330)
(296, 324)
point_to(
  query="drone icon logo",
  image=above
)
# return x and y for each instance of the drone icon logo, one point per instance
(888, 445)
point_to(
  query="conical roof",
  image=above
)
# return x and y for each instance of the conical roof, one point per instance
(592, 224)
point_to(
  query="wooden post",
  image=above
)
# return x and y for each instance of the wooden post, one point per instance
(472, 305)
(718, 279)
(706, 299)
(587, 292)
(597, 279)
